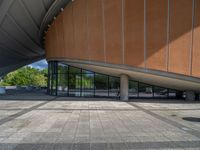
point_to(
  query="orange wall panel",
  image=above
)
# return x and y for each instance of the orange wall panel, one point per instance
(134, 33)
(53, 39)
(180, 36)
(95, 30)
(60, 34)
(47, 44)
(101, 30)
(68, 31)
(196, 41)
(113, 31)
(80, 29)
(157, 14)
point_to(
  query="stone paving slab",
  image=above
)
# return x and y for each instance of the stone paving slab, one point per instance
(92, 125)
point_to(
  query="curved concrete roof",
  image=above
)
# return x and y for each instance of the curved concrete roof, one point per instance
(22, 24)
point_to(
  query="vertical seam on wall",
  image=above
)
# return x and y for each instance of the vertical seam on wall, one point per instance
(73, 26)
(123, 32)
(63, 29)
(104, 33)
(168, 38)
(168, 34)
(87, 34)
(57, 45)
(145, 35)
(63, 32)
(192, 35)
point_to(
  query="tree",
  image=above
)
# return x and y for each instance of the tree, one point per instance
(26, 76)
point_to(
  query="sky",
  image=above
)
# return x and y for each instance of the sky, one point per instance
(39, 65)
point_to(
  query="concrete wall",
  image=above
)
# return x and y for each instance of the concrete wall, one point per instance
(161, 35)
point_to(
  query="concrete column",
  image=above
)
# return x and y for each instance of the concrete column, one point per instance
(124, 87)
(190, 96)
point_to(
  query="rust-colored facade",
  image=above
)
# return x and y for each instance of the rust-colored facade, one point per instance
(161, 35)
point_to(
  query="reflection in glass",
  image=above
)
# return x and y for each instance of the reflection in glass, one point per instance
(63, 84)
(114, 87)
(74, 70)
(145, 90)
(133, 89)
(172, 93)
(62, 79)
(62, 68)
(160, 92)
(74, 84)
(101, 85)
(52, 78)
(65, 80)
(87, 84)
(54, 86)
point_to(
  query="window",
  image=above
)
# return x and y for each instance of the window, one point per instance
(87, 84)
(101, 85)
(160, 92)
(52, 89)
(133, 89)
(74, 81)
(62, 89)
(172, 93)
(145, 90)
(114, 86)
(65, 80)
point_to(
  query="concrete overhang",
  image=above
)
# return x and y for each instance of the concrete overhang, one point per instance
(22, 25)
(152, 77)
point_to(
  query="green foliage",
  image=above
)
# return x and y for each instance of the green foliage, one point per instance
(87, 81)
(3, 84)
(26, 76)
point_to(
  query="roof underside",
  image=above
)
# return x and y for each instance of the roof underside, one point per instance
(22, 24)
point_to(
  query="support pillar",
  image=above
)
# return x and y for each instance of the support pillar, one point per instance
(190, 95)
(124, 87)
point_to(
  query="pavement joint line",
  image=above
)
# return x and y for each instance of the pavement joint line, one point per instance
(75, 135)
(193, 132)
(27, 99)
(125, 145)
(24, 111)
(117, 109)
(92, 109)
(66, 109)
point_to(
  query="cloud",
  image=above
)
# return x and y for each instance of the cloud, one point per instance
(39, 65)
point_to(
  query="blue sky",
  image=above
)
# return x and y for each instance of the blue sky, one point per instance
(39, 65)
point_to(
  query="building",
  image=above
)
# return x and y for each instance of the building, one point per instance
(142, 48)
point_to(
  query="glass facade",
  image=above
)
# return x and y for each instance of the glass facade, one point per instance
(87, 84)
(145, 90)
(133, 89)
(114, 86)
(101, 85)
(160, 92)
(65, 80)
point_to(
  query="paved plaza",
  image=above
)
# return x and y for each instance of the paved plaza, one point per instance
(42, 122)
